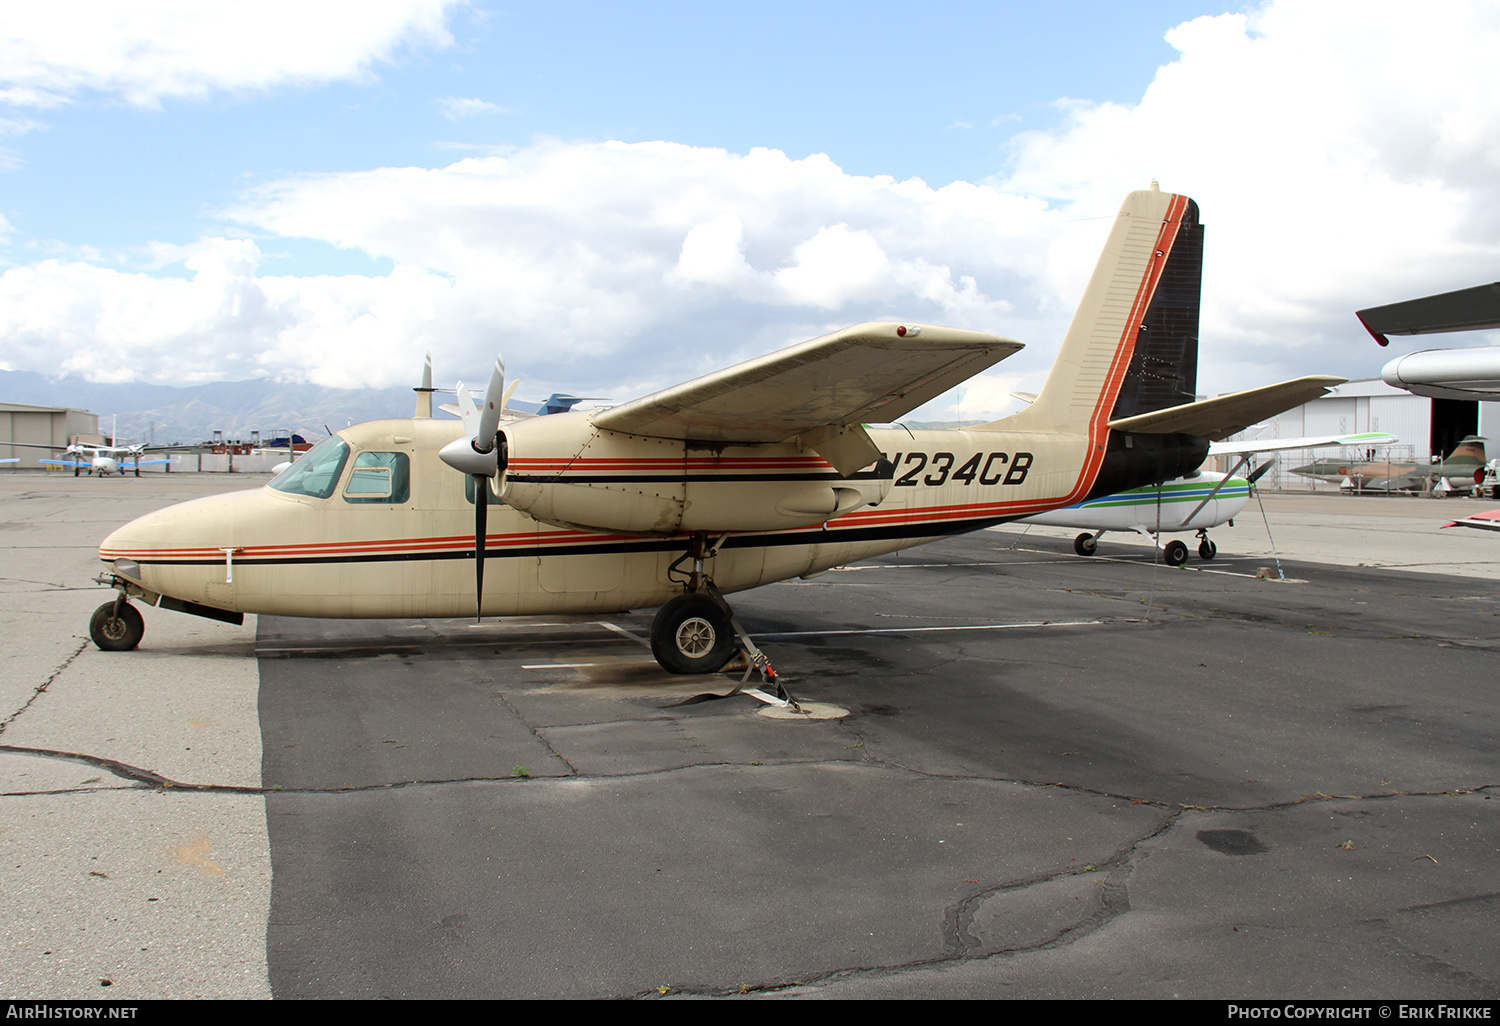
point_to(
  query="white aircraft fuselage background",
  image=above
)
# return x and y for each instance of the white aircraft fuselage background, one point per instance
(1176, 505)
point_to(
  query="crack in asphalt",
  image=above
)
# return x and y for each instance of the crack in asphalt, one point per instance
(57, 671)
(960, 941)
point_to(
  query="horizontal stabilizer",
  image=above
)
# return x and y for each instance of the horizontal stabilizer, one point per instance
(1224, 415)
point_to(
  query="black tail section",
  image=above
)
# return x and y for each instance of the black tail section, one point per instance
(1163, 373)
(1164, 370)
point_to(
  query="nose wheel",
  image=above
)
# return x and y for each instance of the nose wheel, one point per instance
(117, 626)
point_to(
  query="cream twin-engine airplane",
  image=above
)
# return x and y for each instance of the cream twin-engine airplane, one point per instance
(759, 473)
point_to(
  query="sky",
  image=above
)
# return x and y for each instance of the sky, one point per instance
(618, 197)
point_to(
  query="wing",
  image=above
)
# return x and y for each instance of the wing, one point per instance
(1221, 417)
(1367, 438)
(822, 391)
(37, 445)
(1465, 310)
(1486, 521)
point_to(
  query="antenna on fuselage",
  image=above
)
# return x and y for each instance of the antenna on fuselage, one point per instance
(424, 392)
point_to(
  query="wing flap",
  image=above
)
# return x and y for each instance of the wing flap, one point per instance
(1222, 416)
(870, 372)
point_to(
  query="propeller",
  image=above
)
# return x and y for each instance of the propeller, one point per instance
(478, 455)
(1256, 474)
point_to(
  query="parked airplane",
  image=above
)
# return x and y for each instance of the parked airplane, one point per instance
(102, 460)
(1194, 502)
(1467, 373)
(758, 473)
(1464, 468)
(1489, 520)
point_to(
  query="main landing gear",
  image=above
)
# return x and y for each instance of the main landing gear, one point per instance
(696, 632)
(1173, 553)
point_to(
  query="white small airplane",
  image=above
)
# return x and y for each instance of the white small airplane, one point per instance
(1194, 502)
(101, 459)
(104, 460)
(758, 473)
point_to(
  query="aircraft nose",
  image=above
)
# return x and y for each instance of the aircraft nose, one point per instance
(174, 541)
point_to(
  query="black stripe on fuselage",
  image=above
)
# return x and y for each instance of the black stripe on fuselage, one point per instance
(929, 529)
(612, 478)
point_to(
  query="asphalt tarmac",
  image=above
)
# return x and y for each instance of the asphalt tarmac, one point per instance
(1058, 777)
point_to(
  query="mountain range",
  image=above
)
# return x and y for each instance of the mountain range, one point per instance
(166, 414)
(169, 415)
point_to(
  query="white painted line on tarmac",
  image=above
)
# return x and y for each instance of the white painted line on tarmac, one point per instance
(962, 627)
(622, 631)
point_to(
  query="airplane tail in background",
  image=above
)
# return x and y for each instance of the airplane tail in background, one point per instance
(1470, 450)
(1132, 347)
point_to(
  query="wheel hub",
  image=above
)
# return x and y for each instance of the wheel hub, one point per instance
(695, 637)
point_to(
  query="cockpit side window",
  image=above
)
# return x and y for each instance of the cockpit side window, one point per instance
(383, 477)
(316, 472)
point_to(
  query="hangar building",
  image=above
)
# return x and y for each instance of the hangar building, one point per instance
(41, 425)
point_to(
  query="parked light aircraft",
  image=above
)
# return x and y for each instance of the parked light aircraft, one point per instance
(1467, 373)
(102, 460)
(1194, 502)
(1463, 468)
(758, 473)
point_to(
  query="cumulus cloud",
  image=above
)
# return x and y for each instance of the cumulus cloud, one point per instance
(594, 266)
(1343, 156)
(146, 51)
(456, 108)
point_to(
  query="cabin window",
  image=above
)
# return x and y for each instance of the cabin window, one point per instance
(316, 472)
(383, 477)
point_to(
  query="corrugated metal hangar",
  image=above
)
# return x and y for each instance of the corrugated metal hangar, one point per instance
(41, 425)
(1424, 427)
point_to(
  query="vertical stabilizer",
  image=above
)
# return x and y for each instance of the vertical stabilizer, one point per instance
(1134, 337)
(424, 392)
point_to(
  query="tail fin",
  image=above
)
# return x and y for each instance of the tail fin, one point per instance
(424, 392)
(1133, 345)
(1470, 450)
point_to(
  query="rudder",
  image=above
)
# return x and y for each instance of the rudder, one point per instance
(1132, 346)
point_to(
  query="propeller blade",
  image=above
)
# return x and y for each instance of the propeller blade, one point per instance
(477, 452)
(1256, 474)
(489, 414)
(481, 515)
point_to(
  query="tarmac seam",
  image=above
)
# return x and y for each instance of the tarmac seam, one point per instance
(155, 780)
(536, 733)
(45, 684)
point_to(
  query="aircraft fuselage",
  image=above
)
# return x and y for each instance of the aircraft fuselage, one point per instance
(333, 550)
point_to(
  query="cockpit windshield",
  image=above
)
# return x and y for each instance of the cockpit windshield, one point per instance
(316, 472)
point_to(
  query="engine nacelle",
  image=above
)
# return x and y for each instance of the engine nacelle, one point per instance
(564, 471)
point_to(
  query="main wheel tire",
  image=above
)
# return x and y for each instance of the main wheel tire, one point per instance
(1085, 544)
(117, 633)
(1207, 550)
(692, 634)
(1175, 552)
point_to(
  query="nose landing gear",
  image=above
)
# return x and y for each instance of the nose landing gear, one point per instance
(117, 626)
